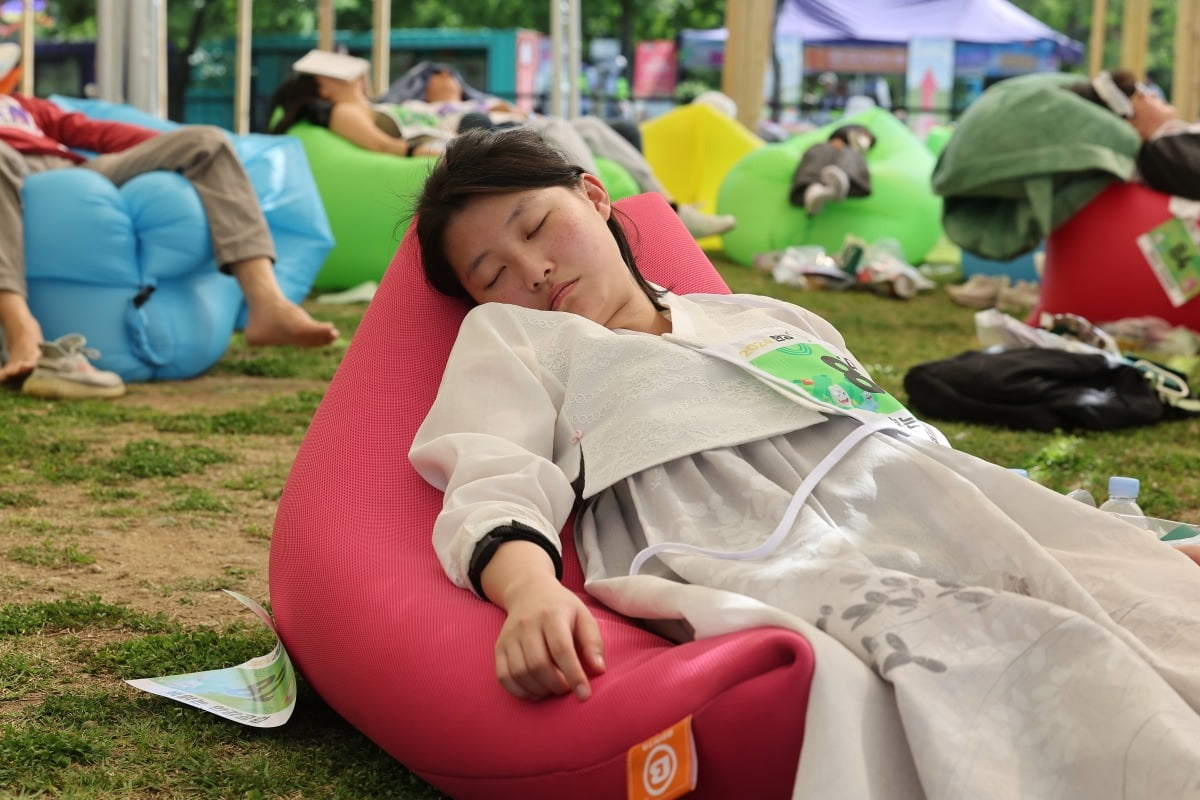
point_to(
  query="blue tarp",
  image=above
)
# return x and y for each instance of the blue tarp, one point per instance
(983, 21)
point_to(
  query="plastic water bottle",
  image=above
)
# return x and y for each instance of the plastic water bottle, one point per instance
(1083, 496)
(1122, 499)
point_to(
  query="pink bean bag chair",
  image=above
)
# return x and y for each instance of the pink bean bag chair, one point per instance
(373, 624)
(1094, 267)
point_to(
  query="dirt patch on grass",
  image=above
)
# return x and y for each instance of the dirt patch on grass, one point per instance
(158, 543)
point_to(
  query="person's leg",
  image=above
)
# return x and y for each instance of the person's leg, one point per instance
(272, 319)
(834, 184)
(629, 130)
(241, 239)
(563, 136)
(22, 333)
(602, 140)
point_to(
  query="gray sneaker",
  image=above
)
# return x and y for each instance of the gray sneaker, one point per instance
(64, 372)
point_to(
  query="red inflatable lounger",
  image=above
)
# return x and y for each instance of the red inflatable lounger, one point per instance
(1094, 267)
(374, 625)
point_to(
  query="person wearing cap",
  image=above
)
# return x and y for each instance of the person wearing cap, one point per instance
(1169, 157)
(37, 136)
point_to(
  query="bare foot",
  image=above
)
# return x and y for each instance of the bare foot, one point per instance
(283, 322)
(23, 352)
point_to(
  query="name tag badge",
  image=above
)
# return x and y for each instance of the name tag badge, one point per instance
(815, 374)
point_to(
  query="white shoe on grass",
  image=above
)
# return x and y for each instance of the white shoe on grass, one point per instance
(64, 372)
(700, 224)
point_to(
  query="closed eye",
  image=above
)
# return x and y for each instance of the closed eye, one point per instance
(533, 232)
(495, 279)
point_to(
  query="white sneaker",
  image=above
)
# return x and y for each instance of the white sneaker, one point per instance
(1019, 298)
(980, 290)
(815, 197)
(834, 185)
(836, 179)
(700, 224)
(64, 372)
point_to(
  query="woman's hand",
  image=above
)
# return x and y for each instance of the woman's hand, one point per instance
(550, 640)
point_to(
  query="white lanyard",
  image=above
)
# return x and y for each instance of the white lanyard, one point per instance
(805, 489)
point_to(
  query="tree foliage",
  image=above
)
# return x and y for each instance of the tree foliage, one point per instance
(630, 21)
(1074, 18)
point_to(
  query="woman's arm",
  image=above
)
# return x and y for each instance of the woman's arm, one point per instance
(356, 124)
(488, 443)
(1171, 164)
(547, 628)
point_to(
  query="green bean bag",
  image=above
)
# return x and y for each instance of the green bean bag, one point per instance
(901, 206)
(937, 138)
(368, 198)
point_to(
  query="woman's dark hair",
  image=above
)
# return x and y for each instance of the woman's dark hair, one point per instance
(290, 99)
(482, 162)
(1123, 78)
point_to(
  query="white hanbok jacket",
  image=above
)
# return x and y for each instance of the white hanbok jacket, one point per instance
(536, 405)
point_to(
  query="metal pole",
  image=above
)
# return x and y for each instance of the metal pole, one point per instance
(573, 58)
(143, 65)
(556, 54)
(325, 24)
(381, 50)
(27, 48)
(160, 59)
(1099, 35)
(111, 33)
(241, 72)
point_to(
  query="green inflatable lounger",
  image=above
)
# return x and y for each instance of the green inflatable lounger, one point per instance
(901, 206)
(368, 197)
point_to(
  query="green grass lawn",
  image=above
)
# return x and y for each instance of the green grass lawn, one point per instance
(179, 467)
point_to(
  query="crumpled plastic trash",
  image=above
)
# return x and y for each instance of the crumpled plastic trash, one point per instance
(883, 269)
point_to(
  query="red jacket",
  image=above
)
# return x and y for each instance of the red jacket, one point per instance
(38, 127)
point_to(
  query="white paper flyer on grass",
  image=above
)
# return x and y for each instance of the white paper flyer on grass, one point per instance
(260, 692)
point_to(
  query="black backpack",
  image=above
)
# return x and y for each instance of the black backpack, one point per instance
(1046, 389)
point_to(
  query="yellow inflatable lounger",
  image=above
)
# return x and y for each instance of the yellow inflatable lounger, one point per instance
(368, 197)
(901, 206)
(691, 149)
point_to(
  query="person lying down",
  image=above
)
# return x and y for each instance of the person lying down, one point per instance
(733, 464)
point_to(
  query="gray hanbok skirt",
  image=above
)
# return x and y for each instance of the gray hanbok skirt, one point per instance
(1033, 643)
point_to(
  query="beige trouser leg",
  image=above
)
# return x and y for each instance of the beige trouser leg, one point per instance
(14, 168)
(603, 140)
(205, 156)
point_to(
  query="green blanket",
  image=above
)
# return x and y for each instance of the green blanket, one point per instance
(1023, 159)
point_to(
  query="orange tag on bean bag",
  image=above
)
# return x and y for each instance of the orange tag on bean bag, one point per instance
(664, 766)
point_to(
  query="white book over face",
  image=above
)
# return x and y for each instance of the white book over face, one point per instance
(332, 65)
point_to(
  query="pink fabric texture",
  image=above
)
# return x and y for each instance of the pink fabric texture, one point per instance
(1095, 268)
(382, 635)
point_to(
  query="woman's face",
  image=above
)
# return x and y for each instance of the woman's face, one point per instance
(550, 250)
(339, 91)
(1150, 112)
(443, 87)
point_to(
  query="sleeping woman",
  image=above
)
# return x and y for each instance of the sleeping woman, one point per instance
(732, 448)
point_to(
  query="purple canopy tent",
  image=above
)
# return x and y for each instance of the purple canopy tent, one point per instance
(898, 21)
